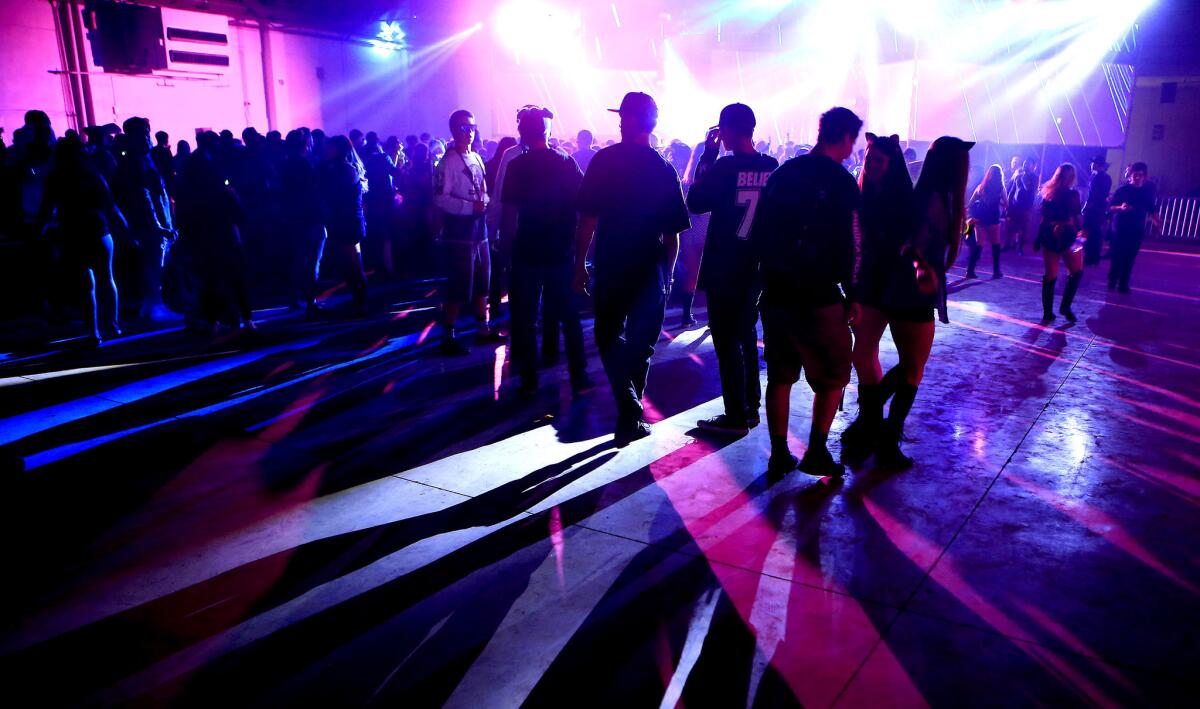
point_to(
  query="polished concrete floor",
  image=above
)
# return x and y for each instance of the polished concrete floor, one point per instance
(329, 515)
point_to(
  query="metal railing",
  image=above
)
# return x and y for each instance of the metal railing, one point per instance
(1180, 217)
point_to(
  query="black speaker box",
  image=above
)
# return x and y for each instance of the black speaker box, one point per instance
(125, 38)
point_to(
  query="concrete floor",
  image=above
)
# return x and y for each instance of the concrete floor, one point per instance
(328, 515)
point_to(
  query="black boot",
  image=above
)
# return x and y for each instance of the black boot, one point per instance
(1048, 298)
(687, 320)
(888, 385)
(860, 436)
(1069, 291)
(996, 261)
(888, 453)
(972, 259)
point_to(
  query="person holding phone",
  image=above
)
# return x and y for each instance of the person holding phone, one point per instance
(461, 198)
(729, 189)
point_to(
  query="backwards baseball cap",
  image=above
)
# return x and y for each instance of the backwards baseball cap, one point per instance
(533, 120)
(637, 103)
(738, 117)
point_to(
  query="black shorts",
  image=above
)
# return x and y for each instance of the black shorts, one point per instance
(815, 340)
(919, 313)
(468, 270)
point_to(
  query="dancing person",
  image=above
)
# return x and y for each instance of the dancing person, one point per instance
(78, 200)
(143, 199)
(1056, 236)
(380, 203)
(538, 193)
(1095, 211)
(807, 236)
(1132, 203)
(341, 193)
(460, 194)
(887, 226)
(987, 204)
(1022, 193)
(729, 189)
(631, 202)
(917, 286)
(303, 224)
(691, 247)
(209, 214)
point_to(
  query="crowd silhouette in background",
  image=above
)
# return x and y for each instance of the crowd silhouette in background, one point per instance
(817, 239)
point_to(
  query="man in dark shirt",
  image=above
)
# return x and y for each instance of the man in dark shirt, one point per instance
(541, 186)
(807, 235)
(1095, 211)
(1132, 203)
(730, 188)
(631, 201)
(586, 150)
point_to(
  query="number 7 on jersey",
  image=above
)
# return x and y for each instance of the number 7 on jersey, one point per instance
(748, 199)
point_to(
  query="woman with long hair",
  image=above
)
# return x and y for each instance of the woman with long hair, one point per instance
(1057, 237)
(342, 202)
(887, 224)
(691, 245)
(78, 200)
(988, 202)
(915, 286)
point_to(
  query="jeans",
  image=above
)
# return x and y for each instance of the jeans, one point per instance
(551, 285)
(1123, 251)
(629, 319)
(732, 320)
(1093, 224)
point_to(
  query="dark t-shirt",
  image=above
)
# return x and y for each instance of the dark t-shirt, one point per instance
(543, 186)
(730, 189)
(1097, 201)
(1133, 222)
(806, 233)
(636, 197)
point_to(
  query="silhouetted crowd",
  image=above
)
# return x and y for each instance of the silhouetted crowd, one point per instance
(829, 245)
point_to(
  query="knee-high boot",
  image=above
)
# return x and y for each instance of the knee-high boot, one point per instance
(973, 259)
(1069, 292)
(888, 453)
(996, 261)
(860, 435)
(1048, 298)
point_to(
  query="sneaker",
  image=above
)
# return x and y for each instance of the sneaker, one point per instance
(820, 462)
(688, 321)
(888, 455)
(752, 419)
(723, 425)
(626, 434)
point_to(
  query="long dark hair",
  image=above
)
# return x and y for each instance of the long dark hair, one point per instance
(944, 175)
(993, 181)
(891, 202)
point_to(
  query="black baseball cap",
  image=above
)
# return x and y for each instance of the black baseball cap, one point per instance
(1099, 160)
(738, 117)
(637, 103)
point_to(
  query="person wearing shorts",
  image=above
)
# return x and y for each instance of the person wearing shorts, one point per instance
(808, 239)
(461, 198)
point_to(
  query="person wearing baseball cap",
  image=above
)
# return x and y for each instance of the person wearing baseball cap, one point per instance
(1095, 210)
(728, 188)
(631, 203)
(538, 193)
